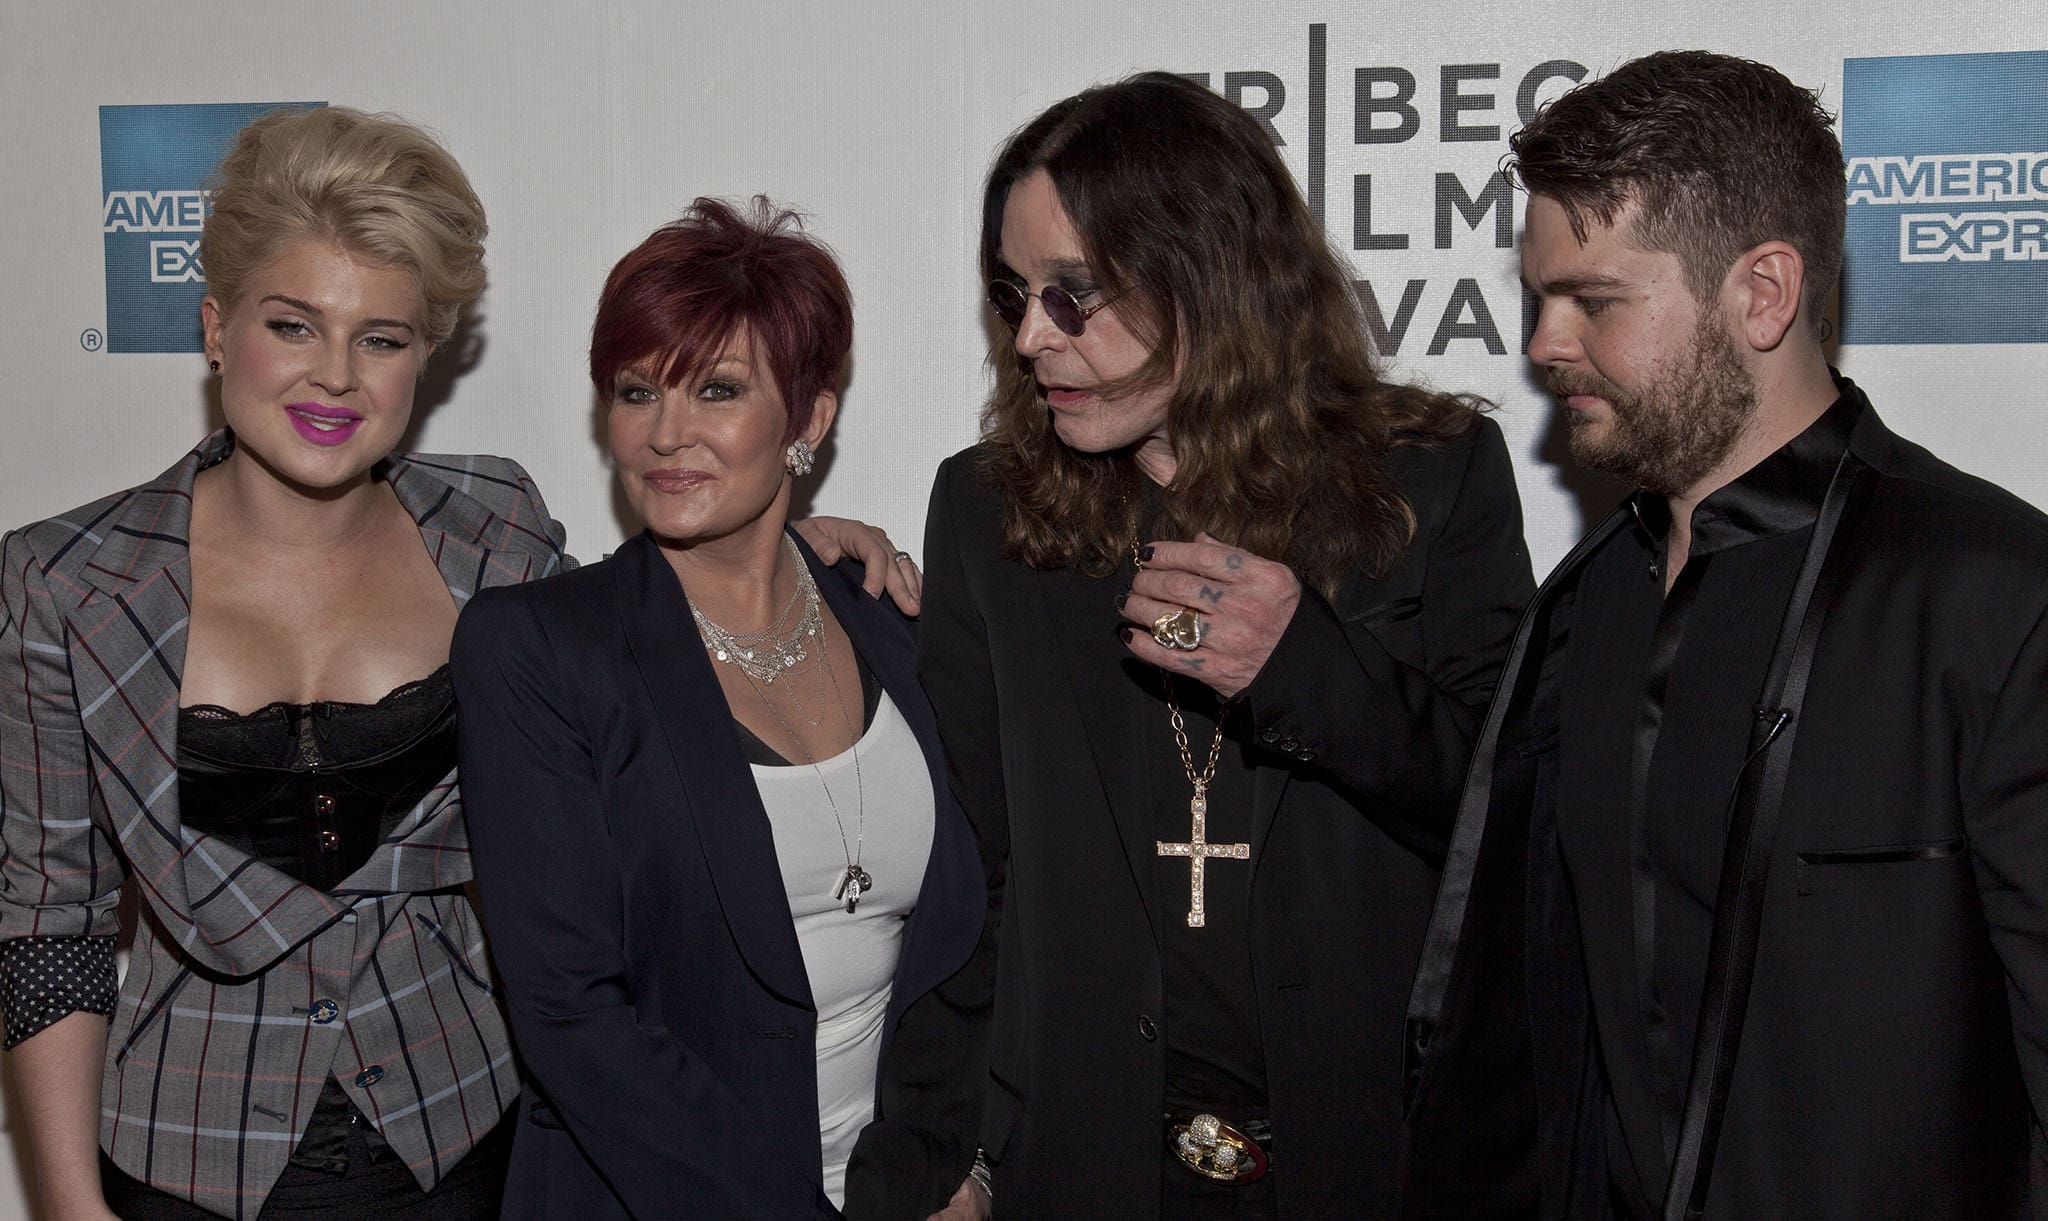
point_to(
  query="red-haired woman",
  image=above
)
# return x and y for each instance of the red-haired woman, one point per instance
(727, 881)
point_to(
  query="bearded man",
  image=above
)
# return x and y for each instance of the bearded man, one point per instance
(1746, 913)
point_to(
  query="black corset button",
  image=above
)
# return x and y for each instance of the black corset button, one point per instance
(313, 789)
(1146, 1030)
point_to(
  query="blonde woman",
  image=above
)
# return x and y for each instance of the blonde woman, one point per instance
(227, 686)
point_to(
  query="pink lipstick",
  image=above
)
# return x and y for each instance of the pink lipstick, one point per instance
(323, 424)
(675, 480)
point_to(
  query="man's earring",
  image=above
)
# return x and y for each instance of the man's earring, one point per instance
(799, 459)
(213, 365)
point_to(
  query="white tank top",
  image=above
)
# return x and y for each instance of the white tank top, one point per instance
(851, 959)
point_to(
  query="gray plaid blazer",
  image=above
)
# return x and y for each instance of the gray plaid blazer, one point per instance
(245, 991)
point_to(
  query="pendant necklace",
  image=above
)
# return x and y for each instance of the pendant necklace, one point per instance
(854, 881)
(1197, 848)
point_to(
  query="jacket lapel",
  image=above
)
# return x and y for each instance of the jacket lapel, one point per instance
(1441, 946)
(129, 633)
(714, 784)
(1081, 613)
(1833, 553)
(473, 547)
(128, 658)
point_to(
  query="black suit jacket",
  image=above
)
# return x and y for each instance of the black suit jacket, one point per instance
(1365, 713)
(1894, 1057)
(658, 997)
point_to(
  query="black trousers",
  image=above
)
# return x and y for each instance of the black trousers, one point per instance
(1187, 1196)
(376, 1183)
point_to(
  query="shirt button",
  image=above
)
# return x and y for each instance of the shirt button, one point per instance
(1146, 1030)
(1290, 745)
(330, 840)
(370, 1076)
(325, 1011)
(323, 804)
(1269, 736)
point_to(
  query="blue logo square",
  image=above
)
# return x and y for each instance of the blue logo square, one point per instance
(153, 160)
(1948, 198)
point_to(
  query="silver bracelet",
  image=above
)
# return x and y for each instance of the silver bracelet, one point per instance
(983, 1174)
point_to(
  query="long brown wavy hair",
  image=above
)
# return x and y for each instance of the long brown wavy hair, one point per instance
(1279, 422)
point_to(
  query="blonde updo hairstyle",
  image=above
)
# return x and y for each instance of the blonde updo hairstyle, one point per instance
(374, 185)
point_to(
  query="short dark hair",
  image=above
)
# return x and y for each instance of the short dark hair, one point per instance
(1279, 420)
(696, 284)
(1719, 154)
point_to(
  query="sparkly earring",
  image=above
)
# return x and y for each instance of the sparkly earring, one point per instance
(799, 459)
(213, 365)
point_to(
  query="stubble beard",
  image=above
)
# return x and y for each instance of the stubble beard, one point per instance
(1666, 437)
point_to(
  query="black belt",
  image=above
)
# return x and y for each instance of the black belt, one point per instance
(1218, 1149)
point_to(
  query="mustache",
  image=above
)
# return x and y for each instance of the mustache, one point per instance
(1564, 383)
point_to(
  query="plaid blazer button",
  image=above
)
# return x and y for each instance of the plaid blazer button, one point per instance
(325, 1011)
(370, 1076)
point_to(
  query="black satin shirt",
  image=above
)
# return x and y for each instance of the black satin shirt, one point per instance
(1657, 704)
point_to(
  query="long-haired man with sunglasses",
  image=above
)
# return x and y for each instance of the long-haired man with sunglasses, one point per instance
(1210, 616)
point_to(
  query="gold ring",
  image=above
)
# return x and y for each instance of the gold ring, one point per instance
(1181, 630)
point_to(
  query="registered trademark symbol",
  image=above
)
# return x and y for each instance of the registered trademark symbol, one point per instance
(90, 339)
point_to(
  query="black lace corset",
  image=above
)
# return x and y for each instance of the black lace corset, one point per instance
(312, 789)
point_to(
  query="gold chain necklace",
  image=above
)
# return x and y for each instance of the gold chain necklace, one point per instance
(1197, 849)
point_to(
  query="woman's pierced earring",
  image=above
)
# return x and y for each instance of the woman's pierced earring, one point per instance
(213, 365)
(799, 459)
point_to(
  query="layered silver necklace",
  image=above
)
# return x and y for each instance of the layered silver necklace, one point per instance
(762, 656)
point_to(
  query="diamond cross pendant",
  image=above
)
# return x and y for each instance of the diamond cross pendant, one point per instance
(1198, 850)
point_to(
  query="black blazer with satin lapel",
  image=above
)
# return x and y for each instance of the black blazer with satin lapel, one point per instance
(637, 915)
(1894, 1057)
(1363, 716)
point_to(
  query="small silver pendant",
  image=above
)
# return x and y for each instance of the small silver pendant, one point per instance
(853, 883)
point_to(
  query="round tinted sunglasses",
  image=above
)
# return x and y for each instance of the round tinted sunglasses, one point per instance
(1009, 300)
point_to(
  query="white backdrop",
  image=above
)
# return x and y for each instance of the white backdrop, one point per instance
(585, 123)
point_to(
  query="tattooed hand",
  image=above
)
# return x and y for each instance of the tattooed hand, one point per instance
(1245, 601)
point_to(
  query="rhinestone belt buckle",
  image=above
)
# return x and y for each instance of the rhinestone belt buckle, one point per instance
(1215, 1150)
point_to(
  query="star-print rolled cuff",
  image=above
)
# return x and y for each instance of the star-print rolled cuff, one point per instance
(44, 979)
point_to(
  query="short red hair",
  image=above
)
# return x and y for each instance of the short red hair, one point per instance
(696, 286)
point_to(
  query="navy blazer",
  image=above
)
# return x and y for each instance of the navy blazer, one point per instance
(636, 911)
